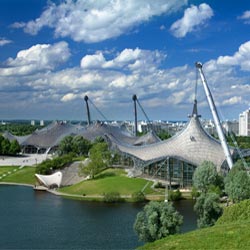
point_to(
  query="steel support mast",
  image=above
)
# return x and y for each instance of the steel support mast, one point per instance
(134, 98)
(215, 116)
(87, 107)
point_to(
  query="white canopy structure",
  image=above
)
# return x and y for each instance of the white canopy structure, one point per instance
(53, 180)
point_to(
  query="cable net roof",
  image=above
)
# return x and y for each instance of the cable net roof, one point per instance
(192, 145)
(51, 135)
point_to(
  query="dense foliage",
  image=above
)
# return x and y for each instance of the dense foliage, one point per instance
(236, 212)
(174, 195)
(208, 185)
(208, 209)
(9, 148)
(138, 197)
(112, 197)
(100, 158)
(237, 183)
(74, 144)
(19, 129)
(49, 165)
(206, 176)
(163, 135)
(157, 220)
(242, 141)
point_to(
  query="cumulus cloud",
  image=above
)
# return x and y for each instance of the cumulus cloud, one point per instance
(193, 18)
(113, 81)
(4, 41)
(129, 59)
(245, 17)
(95, 21)
(241, 58)
(40, 57)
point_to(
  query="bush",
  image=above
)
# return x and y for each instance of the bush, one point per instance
(156, 221)
(112, 197)
(174, 195)
(208, 209)
(205, 175)
(237, 184)
(159, 185)
(48, 166)
(195, 193)
(138, 197)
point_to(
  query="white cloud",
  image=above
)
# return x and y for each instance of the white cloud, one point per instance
(233, 100)
(68, 97)
(245, 17)
(40, 57)
(157, 88)
(193, 17)
(241, 58)
(4, 41)
(93, 61)
(95, 21)
(129, 59)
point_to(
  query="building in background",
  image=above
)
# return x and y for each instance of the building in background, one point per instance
(244, 123)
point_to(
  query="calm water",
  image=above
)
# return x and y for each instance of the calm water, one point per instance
(39, 220)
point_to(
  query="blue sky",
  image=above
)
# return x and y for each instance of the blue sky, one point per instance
(53, 53)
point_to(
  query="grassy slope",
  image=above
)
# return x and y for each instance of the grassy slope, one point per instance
(230, 232)
(24, 176)
(111, 180)
(227, 236)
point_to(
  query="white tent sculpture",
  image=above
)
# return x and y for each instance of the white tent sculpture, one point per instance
(50, 180)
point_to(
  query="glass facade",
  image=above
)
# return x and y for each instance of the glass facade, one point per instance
(177, 172)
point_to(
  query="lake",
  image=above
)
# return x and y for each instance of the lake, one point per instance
(40, 220)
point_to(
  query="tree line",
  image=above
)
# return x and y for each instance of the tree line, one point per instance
(9, 147)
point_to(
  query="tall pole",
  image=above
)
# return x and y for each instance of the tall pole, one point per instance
(215, 116)
(135, 110)
(87, 106)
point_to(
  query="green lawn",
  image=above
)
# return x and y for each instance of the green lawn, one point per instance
(6, 169)
(110, 180)
(226, 236)
(24, 175)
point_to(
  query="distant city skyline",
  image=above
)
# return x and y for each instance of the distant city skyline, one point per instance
(53, 53)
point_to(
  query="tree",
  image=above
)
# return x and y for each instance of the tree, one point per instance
(80, 145)
(208, 209)
(100, 158)
(157, 220)
(66, 145)
(14, 147)
(206, 175)
(5, 146)
(237, 183)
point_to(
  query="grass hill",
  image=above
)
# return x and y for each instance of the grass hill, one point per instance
(230, 232)
(110, 180)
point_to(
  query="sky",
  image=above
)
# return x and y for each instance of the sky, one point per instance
(53, 53)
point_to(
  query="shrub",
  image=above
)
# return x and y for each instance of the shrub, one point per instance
(156, 221)
(159, 185)
(208, 209)
(174, 195)
(48, 166)
(112, 197)
(138, 196)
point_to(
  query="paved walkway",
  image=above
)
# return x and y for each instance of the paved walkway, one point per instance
(25, 160)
